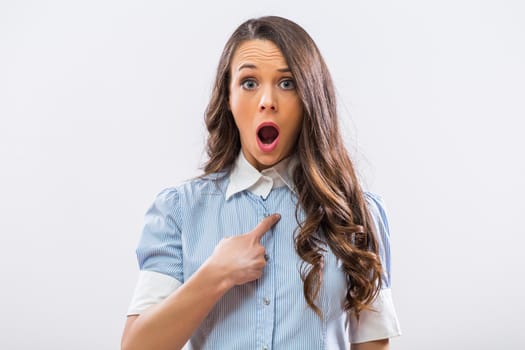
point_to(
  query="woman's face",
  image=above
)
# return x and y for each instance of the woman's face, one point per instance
(264, 103)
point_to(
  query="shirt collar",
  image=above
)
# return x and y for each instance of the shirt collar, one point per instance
(244, 176)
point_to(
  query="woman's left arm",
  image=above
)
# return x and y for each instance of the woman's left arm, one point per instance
(372, 345)
(378, 323)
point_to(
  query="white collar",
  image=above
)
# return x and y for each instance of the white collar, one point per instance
(244, 176)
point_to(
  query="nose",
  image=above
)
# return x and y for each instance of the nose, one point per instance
(268, 101)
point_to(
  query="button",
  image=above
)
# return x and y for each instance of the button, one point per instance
(266, 257)
(265, 348)
(266, 301)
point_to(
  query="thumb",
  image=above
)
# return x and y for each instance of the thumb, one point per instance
(264, 226)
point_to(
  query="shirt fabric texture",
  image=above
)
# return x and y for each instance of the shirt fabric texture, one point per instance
(186, 222)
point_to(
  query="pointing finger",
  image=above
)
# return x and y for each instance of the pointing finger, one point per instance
(264, 226)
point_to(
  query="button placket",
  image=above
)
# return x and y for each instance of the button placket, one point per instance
(265, 287)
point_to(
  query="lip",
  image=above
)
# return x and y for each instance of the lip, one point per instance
(271, 146)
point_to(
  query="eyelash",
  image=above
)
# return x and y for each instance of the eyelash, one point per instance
(251, 80)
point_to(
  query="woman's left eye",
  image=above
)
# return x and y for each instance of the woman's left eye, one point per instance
(287, 84)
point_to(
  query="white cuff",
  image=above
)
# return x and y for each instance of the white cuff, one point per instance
(378, 323)
(152, 287)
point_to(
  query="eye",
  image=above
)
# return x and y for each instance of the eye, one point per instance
(287, 84)
(249, 84)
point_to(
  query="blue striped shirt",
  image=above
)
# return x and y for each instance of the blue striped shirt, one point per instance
(186, 222)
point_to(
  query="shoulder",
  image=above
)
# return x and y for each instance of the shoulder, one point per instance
(212, 184)
(377, 209)
(375, 203)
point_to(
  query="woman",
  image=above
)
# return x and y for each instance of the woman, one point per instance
(217, 269)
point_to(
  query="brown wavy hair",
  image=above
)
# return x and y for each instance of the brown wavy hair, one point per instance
(327, 186)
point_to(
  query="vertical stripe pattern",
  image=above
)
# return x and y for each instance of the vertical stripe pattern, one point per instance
(186, 222)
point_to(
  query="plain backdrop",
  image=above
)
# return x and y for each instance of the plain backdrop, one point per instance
(101, 107)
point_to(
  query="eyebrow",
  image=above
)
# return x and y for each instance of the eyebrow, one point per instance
(253, 66)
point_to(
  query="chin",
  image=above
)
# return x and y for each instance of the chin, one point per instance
(269, 160)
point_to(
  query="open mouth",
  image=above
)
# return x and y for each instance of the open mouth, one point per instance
(267, 136)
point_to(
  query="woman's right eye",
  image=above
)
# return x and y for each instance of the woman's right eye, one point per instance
(249, 84)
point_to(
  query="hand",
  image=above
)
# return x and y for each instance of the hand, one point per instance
(241, 258)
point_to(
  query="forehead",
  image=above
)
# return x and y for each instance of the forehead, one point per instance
(257, 52)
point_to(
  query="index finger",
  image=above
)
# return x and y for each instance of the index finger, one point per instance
(264, 226)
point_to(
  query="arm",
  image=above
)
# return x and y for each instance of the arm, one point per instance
(380, 323)
(169, 324)
(372, 345)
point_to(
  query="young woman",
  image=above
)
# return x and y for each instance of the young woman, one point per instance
(275, 246)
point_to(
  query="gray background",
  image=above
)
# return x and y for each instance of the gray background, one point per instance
(101, 107)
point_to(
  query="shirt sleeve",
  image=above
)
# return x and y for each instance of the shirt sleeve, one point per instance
(380, 321)
(159, 253)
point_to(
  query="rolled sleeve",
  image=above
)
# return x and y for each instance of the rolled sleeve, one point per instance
(159, 253)
(380, 321)
(152, 288)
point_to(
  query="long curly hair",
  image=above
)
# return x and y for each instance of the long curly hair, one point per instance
(327, 187)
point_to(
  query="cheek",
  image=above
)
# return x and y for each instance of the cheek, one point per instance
(242, 123)
(233, 104)
(237, 107)
(242, 110)
(291, 132)
(238, 122)
(295, 111)
(295, 124)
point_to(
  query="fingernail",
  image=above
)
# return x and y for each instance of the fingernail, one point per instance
(278, 216)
